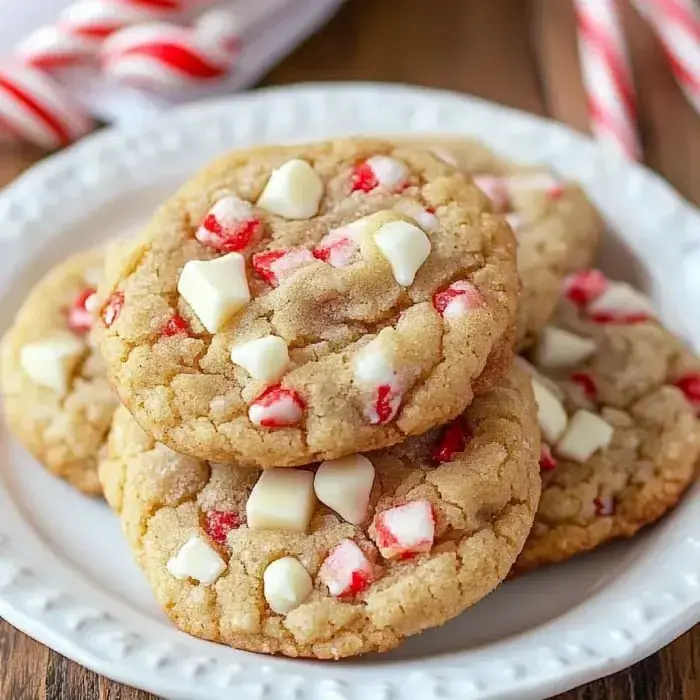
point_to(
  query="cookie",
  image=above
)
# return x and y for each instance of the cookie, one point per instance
(345, 558)
(58, 401)
(293, 304)
(556, 226)
(618, 396)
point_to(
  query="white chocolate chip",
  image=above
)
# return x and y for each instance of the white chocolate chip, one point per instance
(197, 560)
(559, 349)
(293, 191)
(216, 289)
(282, 499)
(344, 485)
(286, 585)
(391, 174)
(265, 359)
(621, 301)
(551, 415)
(587, 433)
(406, 248)
(51, 362)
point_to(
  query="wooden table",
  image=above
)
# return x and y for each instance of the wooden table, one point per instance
(515, 52)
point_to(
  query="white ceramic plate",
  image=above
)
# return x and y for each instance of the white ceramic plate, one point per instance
(66, 576)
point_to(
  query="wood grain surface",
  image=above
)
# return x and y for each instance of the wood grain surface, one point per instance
(515, 52)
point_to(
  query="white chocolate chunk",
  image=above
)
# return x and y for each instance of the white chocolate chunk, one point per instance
(622, 301)
(286, 585)
(293, 191)
(390, 173)
(559, 349)
(197, 560)
(282, 499)
(587, 433)
(346, 570)
(265, 359)
(215, 289)
(51, 362)
(551, 415)
(344, 485)
(406, 248)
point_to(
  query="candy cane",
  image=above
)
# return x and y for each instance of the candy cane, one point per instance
(81, 29)
(677, 25)
(35, 108)
(165, 57)
(607, 76)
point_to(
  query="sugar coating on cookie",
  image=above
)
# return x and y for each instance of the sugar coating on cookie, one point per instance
(617, 408)
(58, 401)
(329, 298)
(277, 562)
(556, 226)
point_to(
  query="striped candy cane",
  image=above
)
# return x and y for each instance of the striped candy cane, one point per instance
(677, 25)
(607, 76)
(166, 57)
(35, 108)
(81, 29)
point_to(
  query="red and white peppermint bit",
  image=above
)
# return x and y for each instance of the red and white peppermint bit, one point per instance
(452, 440)
(80, 316)
(275, 266)
(81, 28)
(547, 461)
(229, 226)
(607, 76)
(581, 288)
(277, 407)
(385, 404)
(423, 216)
(586, 383)
(218, 523)
(34, 108)
(166, 57)
(496, 189)
(535, 181)
(406, 530)
(620, 304)
(175, 326)
(379, 171)
(689, 384)
(457, 299)
(338, 246)
(112, 308)
(677, 25)
(346, 571)
(604, 505)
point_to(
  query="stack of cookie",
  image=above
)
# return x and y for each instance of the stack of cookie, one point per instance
(322, 443)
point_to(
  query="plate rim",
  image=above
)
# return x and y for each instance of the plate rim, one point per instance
(116, 152)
